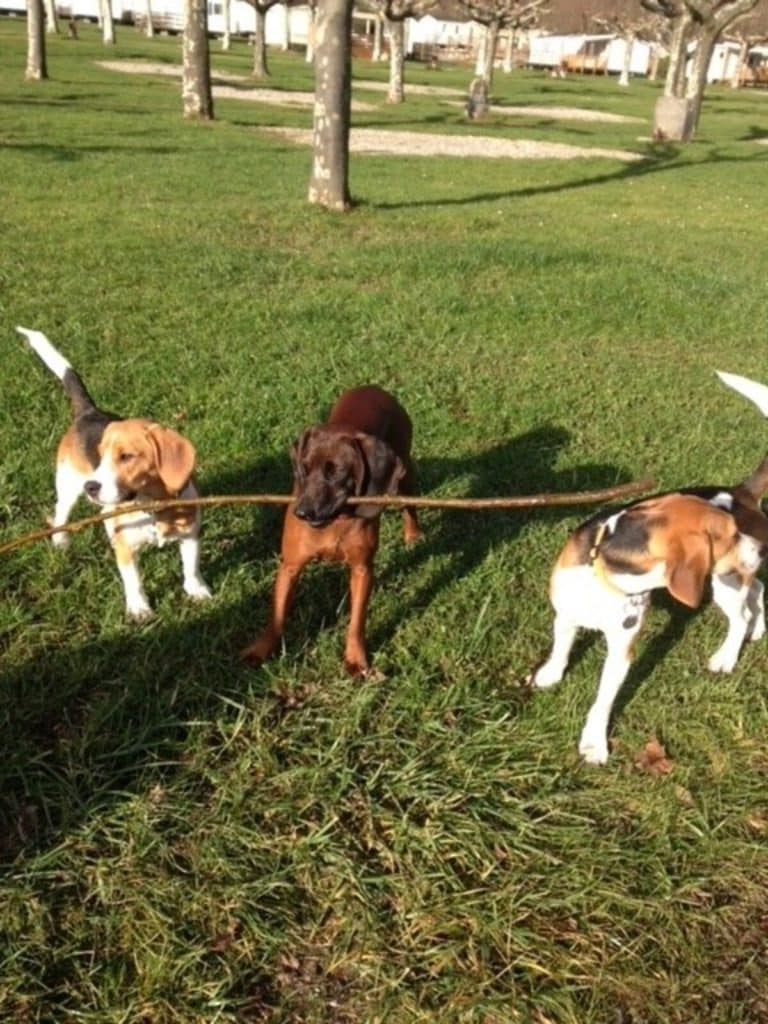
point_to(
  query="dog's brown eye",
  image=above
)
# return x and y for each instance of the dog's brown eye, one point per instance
(125, 456)
(329, 471)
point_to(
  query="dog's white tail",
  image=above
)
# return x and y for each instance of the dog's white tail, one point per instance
(757, 393)
(52, 358)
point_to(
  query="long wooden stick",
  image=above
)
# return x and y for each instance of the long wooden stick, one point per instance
(390, 500)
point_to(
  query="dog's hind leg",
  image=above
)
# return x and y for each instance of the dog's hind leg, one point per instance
(194, 584)
(69, 487)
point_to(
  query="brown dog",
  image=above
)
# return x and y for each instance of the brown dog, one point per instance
(363, 449)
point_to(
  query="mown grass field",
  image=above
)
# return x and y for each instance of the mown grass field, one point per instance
(185, 840)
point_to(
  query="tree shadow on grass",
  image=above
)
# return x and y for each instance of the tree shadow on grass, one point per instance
(660, 158)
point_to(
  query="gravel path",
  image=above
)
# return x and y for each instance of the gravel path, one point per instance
(369, 140)
(280, 97)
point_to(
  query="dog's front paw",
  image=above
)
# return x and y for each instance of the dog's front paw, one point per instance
(757, 632)
(412, 535)
(197, 590)
(721, 661)
(260, 649)
(138, 611)
(358, 668)
(594, 749)
(545, 676)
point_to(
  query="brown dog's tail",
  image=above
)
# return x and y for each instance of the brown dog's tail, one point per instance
(71, 381)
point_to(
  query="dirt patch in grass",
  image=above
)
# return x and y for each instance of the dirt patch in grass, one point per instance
(258, 94)
(369, 140)
(564, 114)
(281, 97)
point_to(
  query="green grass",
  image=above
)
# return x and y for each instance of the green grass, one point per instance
(184, 840)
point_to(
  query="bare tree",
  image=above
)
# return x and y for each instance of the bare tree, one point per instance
(37, 68)
(679, 31)
(696, 24)
(495, 15)
(107, 23)
(329, 180)
(377, 53)
(260, 68)
(309, 56)
(629, 29)
(196, 63)
(395, 12)
(746, 41)
(149, 25)
(51, 21)
(392, 13)
(226, 13)
(712, 18)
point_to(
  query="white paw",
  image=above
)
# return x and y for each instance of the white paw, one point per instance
(545, 676)
(60, 540)
(197, 590)
(758, 629)
(721, 662)
(594, 749)
(138, 611)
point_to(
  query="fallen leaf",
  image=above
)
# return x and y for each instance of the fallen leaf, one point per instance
(653, 759)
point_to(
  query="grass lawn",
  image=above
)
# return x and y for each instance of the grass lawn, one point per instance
(184, 840)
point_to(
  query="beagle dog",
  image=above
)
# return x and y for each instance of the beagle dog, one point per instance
(364, 448)
(116, 461)
(604, 575)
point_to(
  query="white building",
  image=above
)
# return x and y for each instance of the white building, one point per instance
(597, 52)
(724, 62)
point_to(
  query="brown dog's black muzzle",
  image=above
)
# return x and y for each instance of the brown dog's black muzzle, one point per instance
(320, 512)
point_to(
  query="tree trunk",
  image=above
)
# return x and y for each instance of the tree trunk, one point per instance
(377, 54)
(51, 21)
(741, 63)
(310, 54)
(149, 25)
(653, 70)
(107, 23)
(629, 42)
(477, 100)
(329, 181)
(196, 64)
(489, 52)
(396, 32)
(509, 49)
(697, 79)
(286, 43)
(482, 44)
(674, 84)
(260, 68)
(37, 69)
(226, 10)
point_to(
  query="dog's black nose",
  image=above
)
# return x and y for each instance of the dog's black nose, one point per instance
(92, 488)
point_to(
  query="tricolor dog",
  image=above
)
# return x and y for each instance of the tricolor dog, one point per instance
(603, 577)
(116, 461)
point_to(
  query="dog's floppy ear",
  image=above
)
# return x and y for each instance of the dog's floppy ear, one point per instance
(689, 563)
(299, 452)
(174, 457)
(382, 471)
